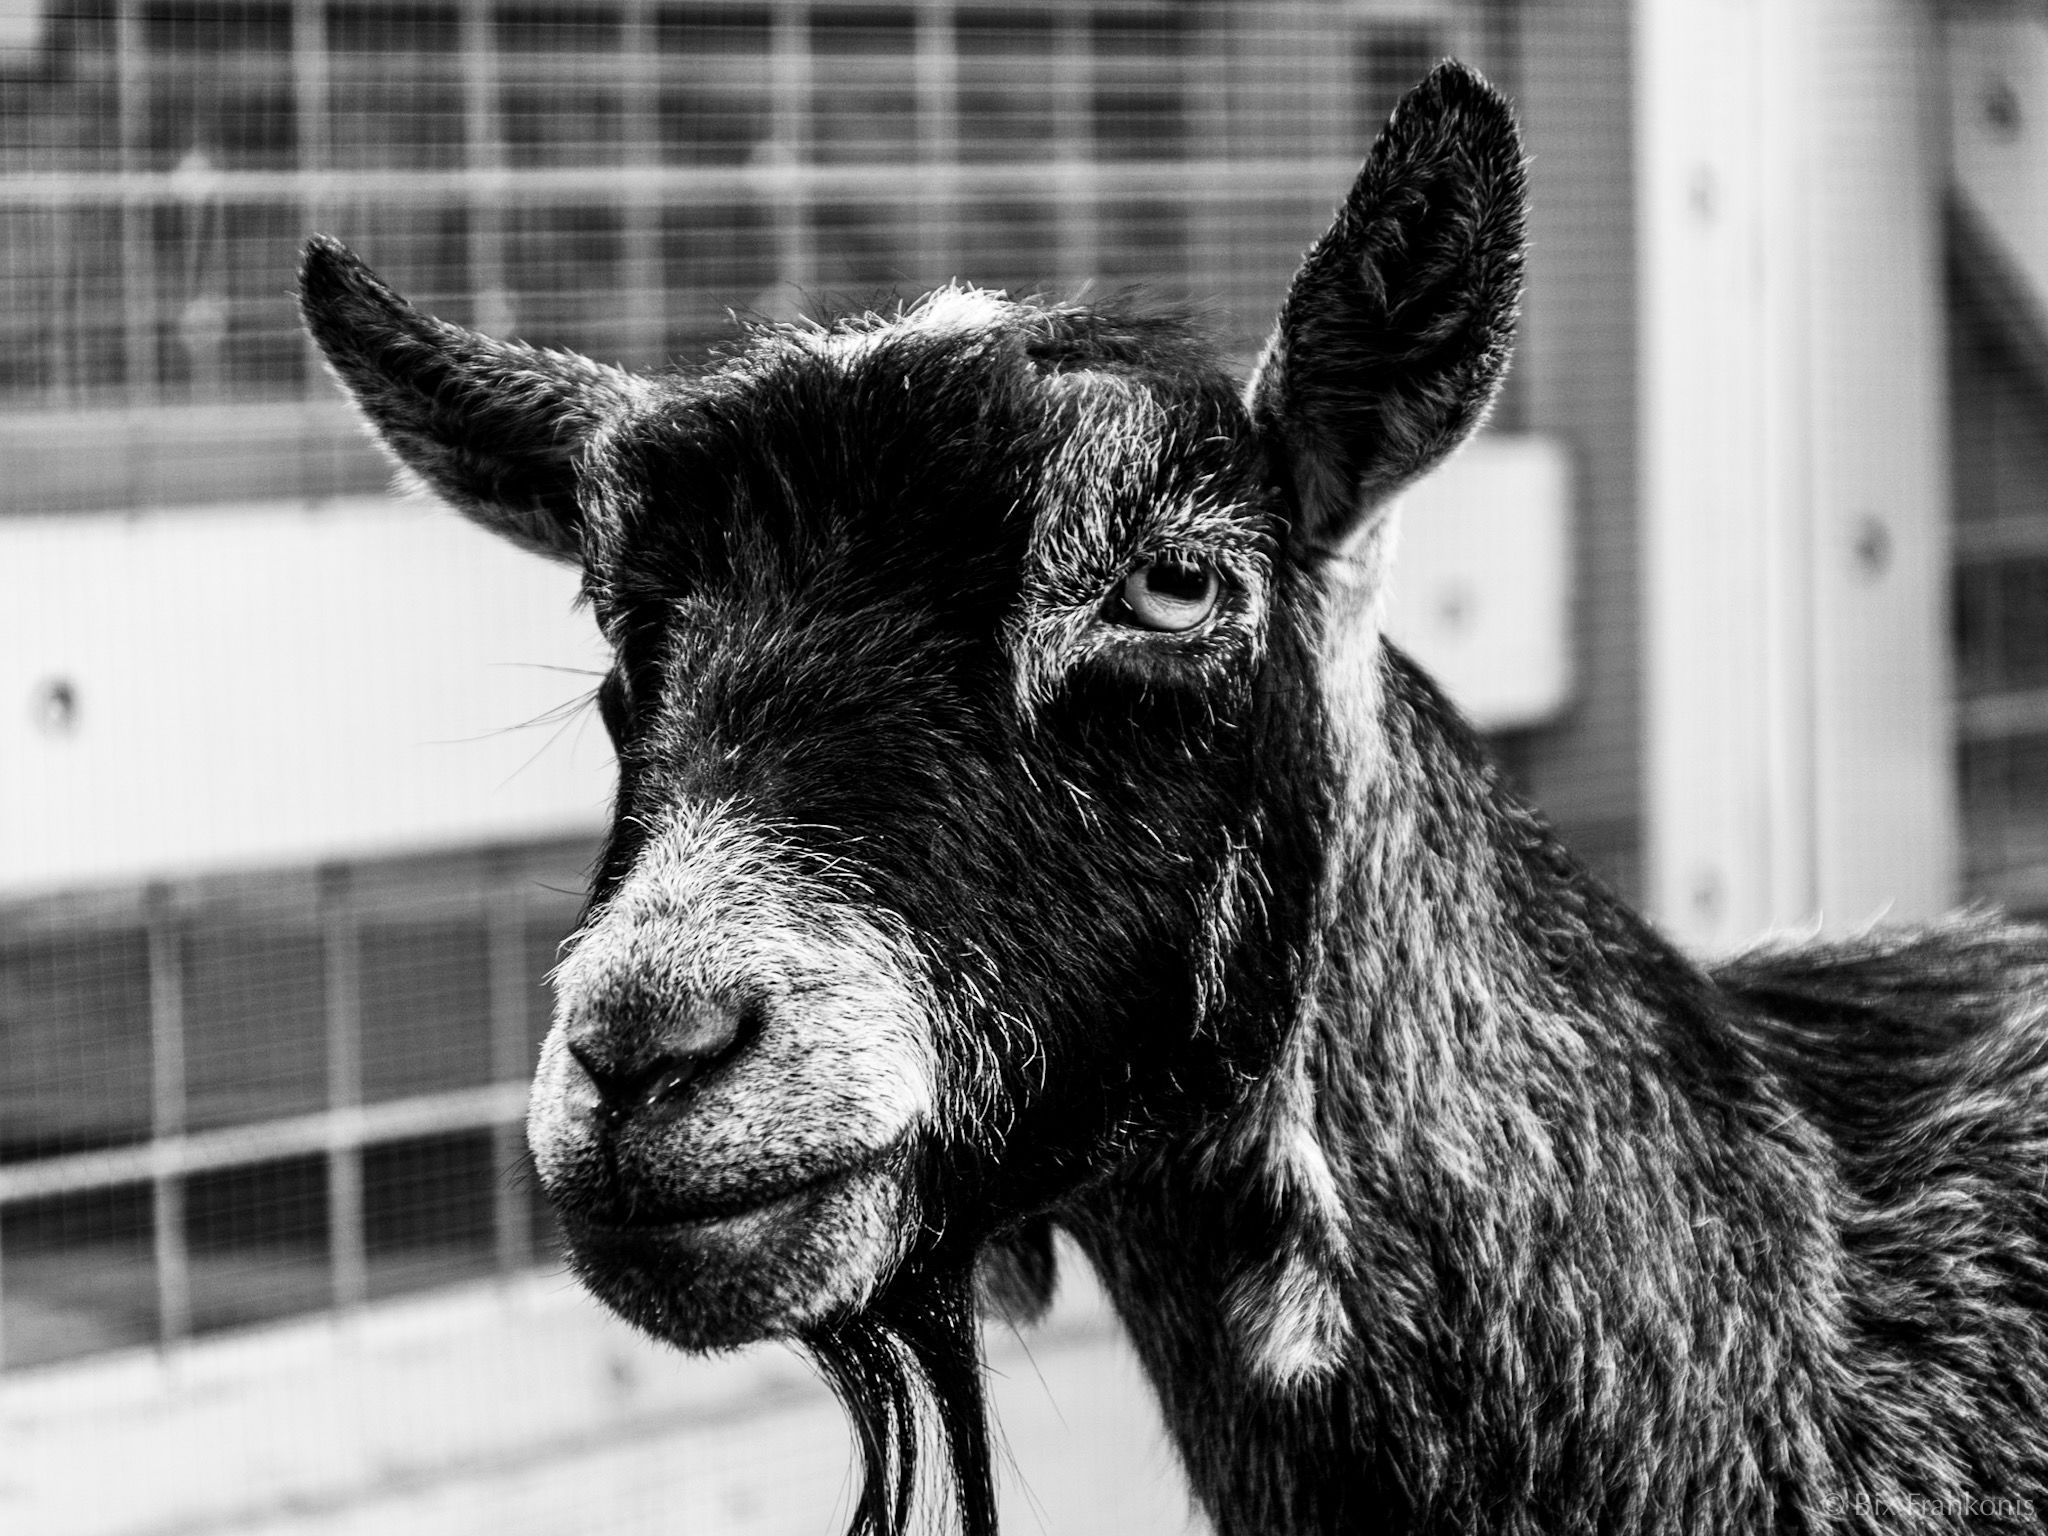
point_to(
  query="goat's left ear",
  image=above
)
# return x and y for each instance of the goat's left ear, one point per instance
(493, 427)
(1397, 329)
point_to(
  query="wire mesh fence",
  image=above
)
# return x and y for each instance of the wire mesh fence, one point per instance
(228, 1099)
(240, 1099)
(219, 1112)
(1998, 368)
(615, 176)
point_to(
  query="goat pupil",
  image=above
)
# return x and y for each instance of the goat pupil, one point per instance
(1177, 580)
(613, 706)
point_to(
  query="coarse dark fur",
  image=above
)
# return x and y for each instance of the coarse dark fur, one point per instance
(949, 901)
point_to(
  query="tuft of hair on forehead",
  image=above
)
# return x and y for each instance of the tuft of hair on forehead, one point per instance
(923, 428)
(1124, 333)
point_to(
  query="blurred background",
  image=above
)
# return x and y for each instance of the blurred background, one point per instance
(1748, 581)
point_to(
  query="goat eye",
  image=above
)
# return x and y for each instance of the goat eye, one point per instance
(1171, 593)
(614, 706)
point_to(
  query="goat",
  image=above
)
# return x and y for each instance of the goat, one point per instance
(1021, 824)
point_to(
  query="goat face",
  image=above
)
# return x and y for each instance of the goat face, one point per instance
(973, 774)
(920, 828)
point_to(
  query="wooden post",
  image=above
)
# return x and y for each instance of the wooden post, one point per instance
(167, 1118)
(1794, 472)
(484, 158)
(138, 264)
(1074, 151)
(644, 342)
(937, 68)
(511, 1062)
(341, 942)
(789, 65)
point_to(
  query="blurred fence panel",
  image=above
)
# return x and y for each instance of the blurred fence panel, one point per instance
(517, 1409)
(1997, 217)
(264, 1067)
(283, 1088)
(242, 1098)
(260, 1067)
(612, 176)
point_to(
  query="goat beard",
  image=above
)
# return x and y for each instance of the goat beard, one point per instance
(907, 1369)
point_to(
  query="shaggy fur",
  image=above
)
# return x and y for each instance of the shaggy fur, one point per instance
(950, 901)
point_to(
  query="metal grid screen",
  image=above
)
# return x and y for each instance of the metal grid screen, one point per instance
(261, 1095)
(291, 1094)
(615, 176)
(229, 1099)
(236, 1098)
(1998, 367)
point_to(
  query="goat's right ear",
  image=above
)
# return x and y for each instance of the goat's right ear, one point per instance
(1396, 331)
(492, 427)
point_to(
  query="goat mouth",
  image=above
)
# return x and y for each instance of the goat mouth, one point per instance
(788, 1254)
(654, 1221)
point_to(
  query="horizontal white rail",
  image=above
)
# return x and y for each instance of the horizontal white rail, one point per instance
(2000, 539)
(1998, 716)
(1202, 179)
(419, 741)
(334, 1130)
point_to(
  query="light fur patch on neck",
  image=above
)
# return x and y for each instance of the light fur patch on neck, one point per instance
(1290, 1323)
(1289, 1314)
(1354, 615)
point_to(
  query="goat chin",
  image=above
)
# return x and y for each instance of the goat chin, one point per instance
(793, 1263)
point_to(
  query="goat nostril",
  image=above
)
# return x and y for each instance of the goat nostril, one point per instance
(587, 1060)
(701, 1034)
(673, 1082)
(614, 1086)
(714, 1033)
(706, 1028)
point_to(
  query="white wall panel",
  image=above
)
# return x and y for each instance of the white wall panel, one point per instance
(1998, 132)
(523, 1409)
(264, 684)
(1794, 465)
(1481, 590)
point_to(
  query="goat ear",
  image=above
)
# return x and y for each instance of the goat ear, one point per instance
(492, 427)
(1397, 328)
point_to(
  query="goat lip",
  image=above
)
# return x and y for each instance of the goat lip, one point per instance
(683, 1221)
